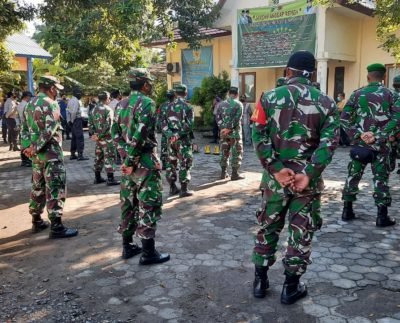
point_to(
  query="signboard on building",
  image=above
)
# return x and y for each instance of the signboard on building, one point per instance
(267, 36)
(196, 65)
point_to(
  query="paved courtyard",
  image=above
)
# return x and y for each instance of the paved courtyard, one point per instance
(355, 275)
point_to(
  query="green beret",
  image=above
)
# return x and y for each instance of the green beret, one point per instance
(376, 67)
(396, 80)
(180, 88)
(50, 80)
(233, 89)
(139, 74)
(280, 81)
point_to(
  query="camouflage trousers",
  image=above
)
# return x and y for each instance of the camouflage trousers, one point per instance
(380, 170)
(48, 188)
(304, 219)
(104, 157)
(234, 147)
(164, 149)
(141, 203)
(180, 157)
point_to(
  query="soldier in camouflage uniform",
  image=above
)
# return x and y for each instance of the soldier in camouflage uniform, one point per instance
(164, 141)
(371, 119)
(141, 187)
(396, 144)
(177, 126)
(41, 141)
(295, 135)
(100, 121)
(229, 119)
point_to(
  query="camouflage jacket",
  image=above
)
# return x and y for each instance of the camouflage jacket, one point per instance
(100, 122)
(229, 116)
(133, 131)
(161, 113)
(178, 118)
(42, 129)
(371, 108)
(298, 130)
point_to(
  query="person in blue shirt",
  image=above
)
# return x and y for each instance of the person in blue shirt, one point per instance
(63, 110)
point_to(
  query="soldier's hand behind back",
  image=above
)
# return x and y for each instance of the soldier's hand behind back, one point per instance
(300, 183)
(285, 177)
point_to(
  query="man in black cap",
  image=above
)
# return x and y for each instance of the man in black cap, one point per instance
(295, 134)
(229, 119)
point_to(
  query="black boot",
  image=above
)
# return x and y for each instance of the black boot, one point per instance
(81, 157)
(129, 249)
(73, 156)
(235, 175)
(98, 179)
(111, 181)
(150, 255)
(38, 224)
(383, 220)
(261, 282)
(224, 173)
(173, 189)
(58, 231)
(348, 213)
(184, 190)
(293, 290)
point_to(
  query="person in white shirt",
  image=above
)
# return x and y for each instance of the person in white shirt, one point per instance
(74, 119)
(11, 114)
(115, 98)
(26, 97)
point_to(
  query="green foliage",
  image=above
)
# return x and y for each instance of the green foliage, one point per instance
(205, 94)
(113, 30)
(160, 91)
(12, 17)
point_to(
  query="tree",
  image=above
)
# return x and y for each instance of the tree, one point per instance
(114, 30)
(388, 15)
(12, 17)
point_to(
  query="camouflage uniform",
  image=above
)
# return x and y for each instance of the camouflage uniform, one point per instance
(100, 121)
(42, 129)
(164, 141)
(133, 132)
(178, 122)
(300, 132)
(370, 108)
(229, 116)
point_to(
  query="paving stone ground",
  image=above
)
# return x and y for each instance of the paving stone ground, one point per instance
(355, 275)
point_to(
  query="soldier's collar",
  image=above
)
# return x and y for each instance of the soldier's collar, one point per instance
(374, 83)
(299, 79)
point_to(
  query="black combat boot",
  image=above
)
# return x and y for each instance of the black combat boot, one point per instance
(97, 178)
(111, 181)
(81, 157)
(224, 173)
(129, 249)
(73, 156)
(383, 220)
(348, 213)
(150, 255)
(173, 189)
(58, 231)
(38, 224)
(235, 175)
(184, 190)
(293, 290)
(261, 282)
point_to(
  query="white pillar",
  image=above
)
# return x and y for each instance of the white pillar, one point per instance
(322, 73)
(234, 69)
(321, 55)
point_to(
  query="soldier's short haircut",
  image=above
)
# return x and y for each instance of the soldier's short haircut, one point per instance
(115, 94)
(296, 73)
(180, 93)
(136, 86)
(377, 75)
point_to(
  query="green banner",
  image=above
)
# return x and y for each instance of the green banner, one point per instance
(267, 36)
